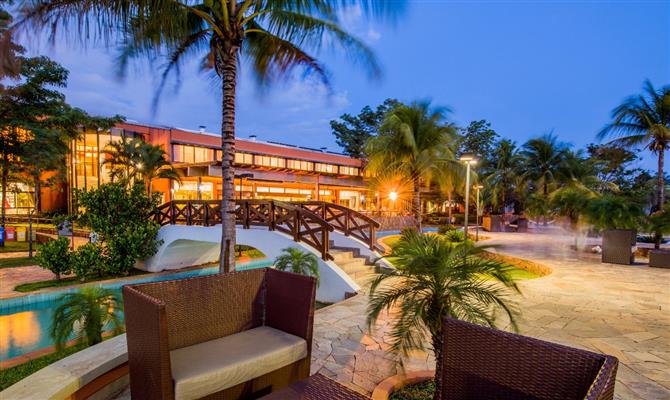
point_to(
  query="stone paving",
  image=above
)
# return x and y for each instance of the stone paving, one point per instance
(11, 277)
(619, 310)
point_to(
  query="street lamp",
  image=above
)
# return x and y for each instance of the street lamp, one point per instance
(243, 176)
(468, 159)
(478, 212)
(393, 195)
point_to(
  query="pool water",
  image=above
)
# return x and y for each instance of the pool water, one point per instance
(25, 321)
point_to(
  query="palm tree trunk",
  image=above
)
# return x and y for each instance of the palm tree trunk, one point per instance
(449, 211)
(227, 257)
(437, 352)
(660, 194)
(38, 193)
(416, 204)
(5, 174)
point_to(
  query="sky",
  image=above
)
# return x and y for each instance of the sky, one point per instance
(528, 67)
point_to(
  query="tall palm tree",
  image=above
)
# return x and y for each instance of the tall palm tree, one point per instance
(500, 181)
(644, 120)
(415, 142)
(85, 314)
(298, 261)
(153, 164)
(274, 37)
(434, 279)
(542, 158)
(122, 158)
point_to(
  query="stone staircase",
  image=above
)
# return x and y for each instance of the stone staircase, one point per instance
(351, 262)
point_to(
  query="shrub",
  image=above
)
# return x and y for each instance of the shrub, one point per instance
(55, 256)
(298, 261)
(88, 260)
(614, 212)
(455, 236)
(444, 229)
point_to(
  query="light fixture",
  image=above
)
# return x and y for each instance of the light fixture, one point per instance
(468, 158)
(393, 196)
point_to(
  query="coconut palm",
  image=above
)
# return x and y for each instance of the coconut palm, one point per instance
(153, 164)
(274, 38)
(122, 156)
(83, 315)
(500, 182)
(542, 158)
(415, 142)
(434, 279)
(298, 261)
(644, 120)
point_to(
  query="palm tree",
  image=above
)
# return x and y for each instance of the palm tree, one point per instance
(298, 262)
(83, 315)
(153, 164)
(417, 143)
(122, 156)
(644, 120)
(274, 37)
(434, 279)
(500, 181)
(542, 158)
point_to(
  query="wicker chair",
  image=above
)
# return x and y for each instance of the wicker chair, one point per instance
(618, 246)
(224, 336)
(484, 364)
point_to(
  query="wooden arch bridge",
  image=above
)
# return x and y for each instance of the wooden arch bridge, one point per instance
(309, 222)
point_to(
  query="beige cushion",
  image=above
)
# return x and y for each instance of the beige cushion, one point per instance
(209, 367)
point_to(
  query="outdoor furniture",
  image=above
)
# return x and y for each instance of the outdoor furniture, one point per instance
(229, 335)
(481, 363)
(493, 223)
(316, 387)
(522, 225)
(618, 246)
(659, 258)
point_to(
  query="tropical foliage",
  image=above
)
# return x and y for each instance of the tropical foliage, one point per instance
(298, 261)
(54, 255)
(434, 279)
(415, 142)
(84, 315)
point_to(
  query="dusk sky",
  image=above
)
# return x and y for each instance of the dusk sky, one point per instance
(527, 67)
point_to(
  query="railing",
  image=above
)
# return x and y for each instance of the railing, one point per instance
(348, 221)
(300, 223)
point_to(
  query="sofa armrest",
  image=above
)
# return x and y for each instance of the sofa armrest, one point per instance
(148, 346)
(289, 303)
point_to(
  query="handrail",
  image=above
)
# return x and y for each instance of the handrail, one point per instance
(300, 223)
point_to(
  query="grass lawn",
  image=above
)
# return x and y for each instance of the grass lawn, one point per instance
(32, 286)
(17, 262)
(12, 375)
(14, 246)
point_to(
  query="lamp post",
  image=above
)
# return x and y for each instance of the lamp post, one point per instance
(241, 177)
(478, 213)
(468, 159)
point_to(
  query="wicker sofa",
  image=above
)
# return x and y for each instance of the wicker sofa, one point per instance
(226, 336)
(484, 364)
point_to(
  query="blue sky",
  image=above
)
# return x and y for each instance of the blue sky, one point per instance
(527, 67)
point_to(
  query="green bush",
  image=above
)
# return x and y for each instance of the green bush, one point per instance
(443, 229)
(616, 212)
(122, 218)
(55, 256)
(455, 236)
(88, 260)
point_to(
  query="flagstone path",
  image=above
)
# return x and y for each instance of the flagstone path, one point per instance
(619, 310)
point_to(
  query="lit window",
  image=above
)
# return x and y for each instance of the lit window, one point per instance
(348, 170)
(327, 168)
(244, 158)
(300, 165)
(268, 161)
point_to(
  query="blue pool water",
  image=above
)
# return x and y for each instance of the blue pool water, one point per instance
(397, 232)
(25, 321)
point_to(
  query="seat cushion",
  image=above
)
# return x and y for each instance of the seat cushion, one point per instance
(212, 366)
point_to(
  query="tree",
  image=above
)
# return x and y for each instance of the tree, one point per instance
(611, 164)
(274, 37)
(506, 162)
(298, 262)
(542, 158)
(644, 120)
(84, 315)
(571, 202)
(417, 143)
(353, 132)
(10, 51)
(478, 138)
(154, 164)
(434, 279)
(55, 256)
(615, 212)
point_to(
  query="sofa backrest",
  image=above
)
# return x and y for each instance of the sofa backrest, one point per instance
(209, 307)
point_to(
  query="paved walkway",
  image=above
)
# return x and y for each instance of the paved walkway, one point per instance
(620, 310)
(12, 277)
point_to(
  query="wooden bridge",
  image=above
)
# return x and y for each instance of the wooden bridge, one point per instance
(309, 222)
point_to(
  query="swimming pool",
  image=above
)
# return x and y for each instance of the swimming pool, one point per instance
(397, 232)
(25, 320)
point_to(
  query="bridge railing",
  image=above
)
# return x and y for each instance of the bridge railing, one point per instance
(348, 221)
(300, 223)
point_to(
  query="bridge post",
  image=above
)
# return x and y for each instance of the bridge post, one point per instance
(296, 225)
(245, 213)
(347, 222)
(172, 219)
(325, 245)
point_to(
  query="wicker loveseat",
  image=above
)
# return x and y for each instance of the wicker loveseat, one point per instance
(225, 336)
(484, 364)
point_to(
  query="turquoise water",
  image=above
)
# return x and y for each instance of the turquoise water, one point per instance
(25, 320)
(397, 232)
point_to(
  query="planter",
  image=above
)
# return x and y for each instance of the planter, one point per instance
(493, 223)
(396, 382)
(618, 246)
(659, 258)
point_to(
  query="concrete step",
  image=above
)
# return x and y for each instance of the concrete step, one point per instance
(355, 269)
(341, 256)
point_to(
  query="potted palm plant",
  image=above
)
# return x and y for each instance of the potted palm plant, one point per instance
(618, 218)
(434, 279)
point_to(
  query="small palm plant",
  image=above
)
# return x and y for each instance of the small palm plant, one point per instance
(299, 262)
(434, 279)
(83, 315)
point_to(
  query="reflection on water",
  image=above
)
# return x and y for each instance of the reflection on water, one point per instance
(20, 330)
